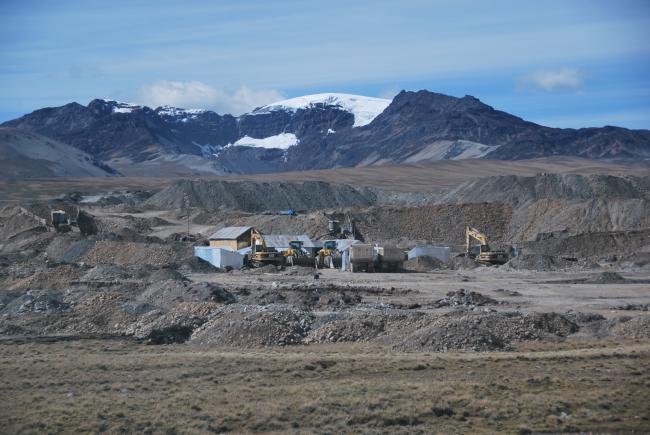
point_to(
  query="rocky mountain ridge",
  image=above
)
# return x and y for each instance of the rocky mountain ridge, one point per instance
(328, 131)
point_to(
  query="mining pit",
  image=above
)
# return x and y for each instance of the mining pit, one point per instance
(127, 283)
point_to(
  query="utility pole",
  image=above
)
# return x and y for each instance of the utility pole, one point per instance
(186, 200)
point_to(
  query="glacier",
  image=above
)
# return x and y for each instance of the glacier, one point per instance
(364, 109)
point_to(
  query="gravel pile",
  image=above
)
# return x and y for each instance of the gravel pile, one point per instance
(106, 273)
(254, 196)
(36, 301)
(607, 278)
(56, 277)
(352, 327)
(464, 298)
(462, 263)
(168, 293)
(483, 331)
(175, 326)
(538, 262)
(424, 264)
(130, 253)
(305, 297)
(635, 327)
(241, 325)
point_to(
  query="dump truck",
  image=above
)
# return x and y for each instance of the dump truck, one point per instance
(362, 258)
(482, 253)
(390, 258)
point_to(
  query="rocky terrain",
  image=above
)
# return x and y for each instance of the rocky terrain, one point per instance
(316, 132)
(123, 293)
(26, 155)
(128, 270)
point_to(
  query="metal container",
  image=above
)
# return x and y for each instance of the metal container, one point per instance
(390, 254)
(334, 227)
(361, 252)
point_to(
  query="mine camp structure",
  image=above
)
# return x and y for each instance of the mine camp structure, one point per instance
(232, 238)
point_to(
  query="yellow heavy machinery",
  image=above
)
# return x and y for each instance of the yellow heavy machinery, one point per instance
(296, 255)
(482, 253)
(261, 255)
(329, 256)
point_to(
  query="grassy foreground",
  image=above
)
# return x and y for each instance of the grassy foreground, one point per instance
(121, 386)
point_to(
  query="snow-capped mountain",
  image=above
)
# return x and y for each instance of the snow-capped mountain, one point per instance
(316, 131)
(364, 109)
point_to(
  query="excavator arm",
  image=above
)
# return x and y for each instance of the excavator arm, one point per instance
(473, 233)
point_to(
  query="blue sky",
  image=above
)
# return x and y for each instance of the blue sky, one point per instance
(559, 63)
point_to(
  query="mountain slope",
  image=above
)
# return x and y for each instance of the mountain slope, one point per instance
(422, 125)
(28, 155)
(317, 132)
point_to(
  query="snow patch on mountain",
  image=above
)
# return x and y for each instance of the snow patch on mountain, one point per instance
(177, 112)
(281, 141)
(364, 109)
(121, 107)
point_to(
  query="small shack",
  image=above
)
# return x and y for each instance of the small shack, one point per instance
(442, 253)
(231, 238)
(220, 257)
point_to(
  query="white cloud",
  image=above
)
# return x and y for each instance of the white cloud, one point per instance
(196, 94)
(562, 79)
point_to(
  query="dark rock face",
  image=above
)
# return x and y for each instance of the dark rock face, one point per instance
(137, 133)
(416, 126)
(414, 120)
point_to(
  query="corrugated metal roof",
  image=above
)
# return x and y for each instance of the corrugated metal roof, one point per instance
(229, 233)
(279, 241)
(343, 244)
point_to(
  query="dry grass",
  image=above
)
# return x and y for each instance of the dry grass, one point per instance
(121, 386)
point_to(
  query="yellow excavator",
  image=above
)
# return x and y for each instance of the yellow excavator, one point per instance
(261, 255)
(482, 253)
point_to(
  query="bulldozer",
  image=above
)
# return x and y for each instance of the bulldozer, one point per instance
(296, 255)
(329, 256)
(261, 255)
(482, 253)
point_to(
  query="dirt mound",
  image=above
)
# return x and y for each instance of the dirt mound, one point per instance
(442, 223)
(353, 327)
(607, 278)
(636, 327)
(305, 297)
(241, 325)
(34, 302)
(15, 220)
(464, 298)
(515, 189)
(424, 264)
(68, 248)
(593, 244)
(256, 196)
(175, 326)
(106, 273)
(462, 263)
(127, 253)
(483, 331)
(115, 223)
(49, 278)
(538, 262)
(168, 293)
